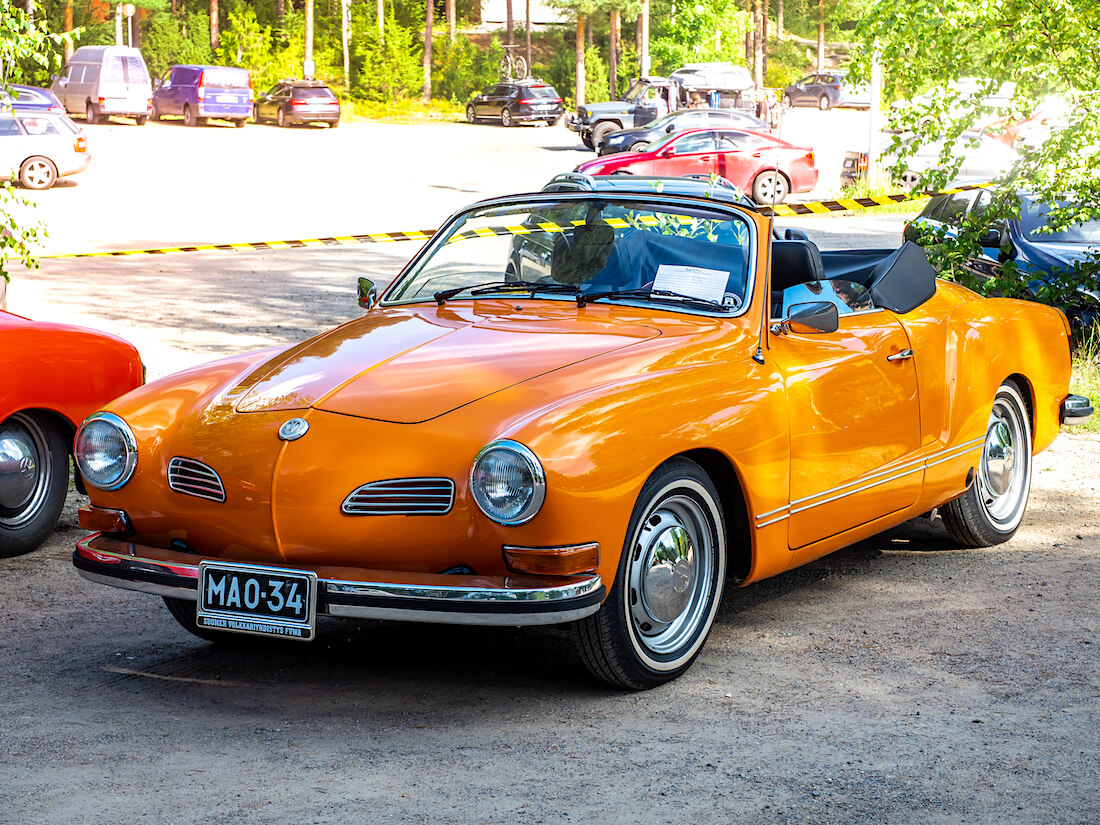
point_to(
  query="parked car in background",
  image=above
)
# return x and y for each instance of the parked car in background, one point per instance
(991, 103)
(52, 376)
(766, 167)
(1051, 115)
(634, 140)
(37, 148)
(610, 443)
(983, 162)
(101, 81)
(29, 98)
(517, 101)
(827, 90)
(290, 102)
(1042, 256)
(197, 93)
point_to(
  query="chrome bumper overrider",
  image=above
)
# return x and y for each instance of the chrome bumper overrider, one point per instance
(447, 599)
(1076, 410)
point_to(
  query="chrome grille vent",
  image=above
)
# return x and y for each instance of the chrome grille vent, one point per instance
(401, 497)
(193, 478)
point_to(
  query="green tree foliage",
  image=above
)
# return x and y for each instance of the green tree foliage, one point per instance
(460, 69)
(1046, 47)
(388, 70)
(697, 32)
(163, 41)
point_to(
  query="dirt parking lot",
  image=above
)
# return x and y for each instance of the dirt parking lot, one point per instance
(898, 681)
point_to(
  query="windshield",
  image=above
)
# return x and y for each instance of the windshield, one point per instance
(1033, 217)
(636, 90)
(681, 257)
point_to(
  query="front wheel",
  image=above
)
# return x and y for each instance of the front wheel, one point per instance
(37, 173)
(600, 131)
(587, 141)
(506, 118)
(34, 476)
(824, 104)
(668, 585)
(471, 117)
(770, 187)
(787, 101)
(991, 510)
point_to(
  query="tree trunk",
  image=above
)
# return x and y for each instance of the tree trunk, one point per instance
(426, 92)
(643, 49)
(613, 62)
(308, 54)
(821, 35)
(511, 37)
(215, 38)
(452, 21)
(345, 36)
(30, 10)
(778, 19)
(381, 22)
(580, 59)
(68, 27)
(118, 24)
(764, 39)
(280, 13)
(527, 35)
(757, 51)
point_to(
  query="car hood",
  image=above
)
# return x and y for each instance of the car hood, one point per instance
(412, 364)
(610, 107)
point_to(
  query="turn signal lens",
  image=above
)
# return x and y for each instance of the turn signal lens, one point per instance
(80, 144)
(553, 561)
(104, 520)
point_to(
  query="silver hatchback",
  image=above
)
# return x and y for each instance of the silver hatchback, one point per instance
(37, 148)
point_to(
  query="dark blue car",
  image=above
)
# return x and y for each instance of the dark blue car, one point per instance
(1037, 253)
(30, 98)
(197, 93)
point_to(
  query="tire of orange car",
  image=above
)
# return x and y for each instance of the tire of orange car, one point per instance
(25, 524)
(627, 643)
(983, 515)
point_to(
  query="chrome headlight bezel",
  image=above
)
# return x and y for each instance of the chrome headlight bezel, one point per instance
(538, 486)
(128, 441)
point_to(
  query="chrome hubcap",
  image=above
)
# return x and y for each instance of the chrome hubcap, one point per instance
(24, 470)
(1003, 472)
(671, 574)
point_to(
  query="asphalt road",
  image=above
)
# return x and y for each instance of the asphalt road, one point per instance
(898, 681)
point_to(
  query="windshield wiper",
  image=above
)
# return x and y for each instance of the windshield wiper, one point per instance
(445, 295)
(659, 295)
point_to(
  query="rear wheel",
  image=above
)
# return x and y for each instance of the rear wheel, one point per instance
(770, 187)
(332, 124)
(280, 118)
(668, 586)
(156, 112)
(183, 611)
(37, 173)
(506, 118)
(991, 510)
(554, 121)
(239, 122)
(638, 146)
(34, 476)
(256, 113)
(189, 118)
(90, 113)
(140, 119)
(824, 104)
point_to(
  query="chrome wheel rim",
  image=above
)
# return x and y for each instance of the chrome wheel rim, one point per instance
(38, 174)
(470, 114)
(1003, 476)
(674, 576)
(26, 467)
(506, 117)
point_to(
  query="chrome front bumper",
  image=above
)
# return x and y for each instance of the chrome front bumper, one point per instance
(356, 593)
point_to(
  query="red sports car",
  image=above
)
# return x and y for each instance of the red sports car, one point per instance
(767, 167)
(51, 377)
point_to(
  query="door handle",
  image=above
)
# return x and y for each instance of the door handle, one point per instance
(904, 355)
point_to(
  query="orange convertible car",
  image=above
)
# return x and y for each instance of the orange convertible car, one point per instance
(601, 409)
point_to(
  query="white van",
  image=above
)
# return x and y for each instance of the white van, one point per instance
(100, 81)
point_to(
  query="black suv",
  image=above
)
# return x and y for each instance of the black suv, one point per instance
(515, 101)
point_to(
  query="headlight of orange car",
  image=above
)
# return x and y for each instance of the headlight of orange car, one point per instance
(508, 482)
(105, 451)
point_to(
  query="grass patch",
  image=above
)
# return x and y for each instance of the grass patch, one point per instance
(404, 111)
(1084, 378)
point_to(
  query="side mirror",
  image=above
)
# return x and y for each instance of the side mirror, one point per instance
(368, 293)
(1007, 252)
(157, 82)
(670, 128)
(669, 152)
(53, 78)
(819, 316)
(795, 235)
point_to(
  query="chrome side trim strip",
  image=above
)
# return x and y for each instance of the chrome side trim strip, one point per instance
(188, 594)
(875, 478)
(482, 619)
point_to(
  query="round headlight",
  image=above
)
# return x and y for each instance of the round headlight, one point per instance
(105, 451)
(508, 482)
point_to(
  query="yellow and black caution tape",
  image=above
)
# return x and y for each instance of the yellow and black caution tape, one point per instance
(782, 210)
(260, 246)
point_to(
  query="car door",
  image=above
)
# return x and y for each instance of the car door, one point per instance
(800, 93)
(738, 157)
(692, 154)
(11, 146)
(854, 422)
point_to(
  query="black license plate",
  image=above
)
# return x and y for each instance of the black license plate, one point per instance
(266, 601)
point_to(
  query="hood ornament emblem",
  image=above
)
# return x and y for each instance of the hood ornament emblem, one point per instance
(293, 429)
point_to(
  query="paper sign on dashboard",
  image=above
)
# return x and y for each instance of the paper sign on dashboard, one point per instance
(696, 281)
